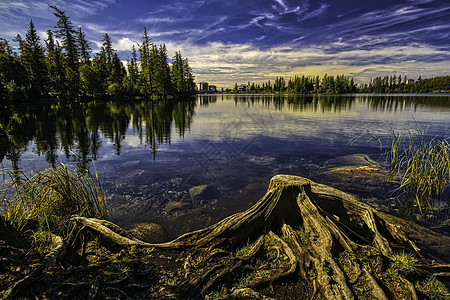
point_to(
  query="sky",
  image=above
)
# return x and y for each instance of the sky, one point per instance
(228, 41)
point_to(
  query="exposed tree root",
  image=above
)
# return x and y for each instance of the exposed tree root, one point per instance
(300, 229)
(52, 258)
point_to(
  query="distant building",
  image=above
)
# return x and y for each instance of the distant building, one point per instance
(205, 87)
(410, 81)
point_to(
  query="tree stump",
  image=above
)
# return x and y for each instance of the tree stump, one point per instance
(299, 230)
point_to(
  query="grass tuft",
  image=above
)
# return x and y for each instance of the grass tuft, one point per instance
(404, 263)
(433, 289)
(423, 167)
(50, 197)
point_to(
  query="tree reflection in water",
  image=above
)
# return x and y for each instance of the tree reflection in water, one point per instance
(77, 128)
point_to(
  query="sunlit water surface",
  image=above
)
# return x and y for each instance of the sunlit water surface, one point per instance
(186, 165)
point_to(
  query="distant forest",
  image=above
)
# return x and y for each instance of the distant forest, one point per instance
(64, 67)
(342, 84)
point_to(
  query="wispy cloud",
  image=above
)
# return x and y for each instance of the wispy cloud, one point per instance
(239, 63)
(228, 41)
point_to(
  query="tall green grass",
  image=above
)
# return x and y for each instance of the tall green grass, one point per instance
(423, 167)
(50, 197)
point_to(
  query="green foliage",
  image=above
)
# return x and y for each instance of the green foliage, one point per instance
(339, 84)
(84, 47)
(424, 169)
(404, 263)
(55, 65)
(16, 92)
(50, 197)
(14, 83)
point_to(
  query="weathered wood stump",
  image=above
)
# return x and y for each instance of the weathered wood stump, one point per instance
(328, 239)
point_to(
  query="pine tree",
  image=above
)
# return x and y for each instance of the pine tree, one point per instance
(66, 32)
(133, 72)
(177, 73)
(189, 77)
(182, 78)
(145, 78)
(108, 52)
(67, 35)
(84, 47)
(33, 59)
(162, 79)
(117, 75)
(55, 65)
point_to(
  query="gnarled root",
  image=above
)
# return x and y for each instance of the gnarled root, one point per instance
(55, 255)
(302, 230)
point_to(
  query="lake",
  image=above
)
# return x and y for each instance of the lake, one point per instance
(188, 164)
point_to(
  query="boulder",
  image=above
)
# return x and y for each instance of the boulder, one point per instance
(148, 232)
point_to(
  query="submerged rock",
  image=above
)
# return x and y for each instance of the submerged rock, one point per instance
(148, 232)
(357, 161)
(130, 179)
(174, 205)
(197, 190)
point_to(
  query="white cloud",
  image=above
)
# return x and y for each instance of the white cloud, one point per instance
(225, 64)
(124, 44)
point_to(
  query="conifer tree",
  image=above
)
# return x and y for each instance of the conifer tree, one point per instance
(108, 52)
(33, 59)
(133, 73)
(55, 64)
(145, 77)
(161, 79)
(65, 31)
(182, 78)
(84, 47)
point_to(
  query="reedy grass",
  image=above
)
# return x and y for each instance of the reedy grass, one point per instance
(50, 197)
(423, 167)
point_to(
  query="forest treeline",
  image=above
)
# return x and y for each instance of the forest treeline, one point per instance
(65, 68)
(340, 84)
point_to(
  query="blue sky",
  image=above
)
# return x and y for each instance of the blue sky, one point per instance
(230, 41)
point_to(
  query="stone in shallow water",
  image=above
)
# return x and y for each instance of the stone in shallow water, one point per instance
(351, 160)
(148, 232)
(174, 205)
(197, 190)
(131, 178)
